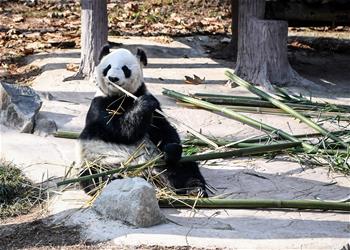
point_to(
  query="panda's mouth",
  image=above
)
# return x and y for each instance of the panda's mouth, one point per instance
(113, 84)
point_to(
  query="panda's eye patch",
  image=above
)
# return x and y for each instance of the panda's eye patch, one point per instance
(127, 71)
(105, 71)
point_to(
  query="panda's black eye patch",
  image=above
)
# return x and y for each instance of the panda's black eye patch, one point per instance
(105, 71)
(127, 71)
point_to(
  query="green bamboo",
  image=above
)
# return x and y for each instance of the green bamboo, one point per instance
(250, 203)
(75, 135)
(292, 103)
(276, 111)
(234, 115)
(201, 157)
(284, 107)
(250, 144)
(200, 95)
(251, 102)
(67, 134)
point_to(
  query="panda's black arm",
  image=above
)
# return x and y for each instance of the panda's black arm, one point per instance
(127, 128)
(165, 137)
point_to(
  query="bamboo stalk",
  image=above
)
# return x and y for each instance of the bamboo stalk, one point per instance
(234, 115)
(250, 203)
(67, 134)
(250, 144)
(201, 157)
(276, 111)
(284, 107)
(200, 95)
(75, 135)
(251, 102)
(307, 104)
(173, 120)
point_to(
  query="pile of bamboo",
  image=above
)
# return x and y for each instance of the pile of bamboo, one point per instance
(332, 148)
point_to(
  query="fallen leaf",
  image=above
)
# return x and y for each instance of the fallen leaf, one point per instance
(18, 19)
(195, 80)
(27, 51)
(72, 67)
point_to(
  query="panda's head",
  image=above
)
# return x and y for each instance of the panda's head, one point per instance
(122, 68)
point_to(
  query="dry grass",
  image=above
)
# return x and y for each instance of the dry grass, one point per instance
(18, 195)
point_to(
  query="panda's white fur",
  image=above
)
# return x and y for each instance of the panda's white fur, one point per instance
(93, 151)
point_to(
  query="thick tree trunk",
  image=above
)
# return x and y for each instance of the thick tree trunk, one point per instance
(262, 48)
(94, 31)
(234, 27)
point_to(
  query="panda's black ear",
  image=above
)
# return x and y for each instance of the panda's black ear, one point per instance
(104, 51)
(142, 56)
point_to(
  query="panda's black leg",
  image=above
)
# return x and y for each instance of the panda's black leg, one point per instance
(186, 178)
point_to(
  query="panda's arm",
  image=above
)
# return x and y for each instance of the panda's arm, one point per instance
(127, 128)
(166, 137)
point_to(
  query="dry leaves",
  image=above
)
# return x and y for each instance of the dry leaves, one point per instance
(29, 29)
(195, 80)
(72, 67)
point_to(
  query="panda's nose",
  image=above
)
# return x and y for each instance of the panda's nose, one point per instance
(113, 79)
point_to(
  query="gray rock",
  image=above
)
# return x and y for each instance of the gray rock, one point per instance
(132, 200)
(18, 106)
(44, 126)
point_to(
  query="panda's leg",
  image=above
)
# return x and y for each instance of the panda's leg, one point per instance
(185, 178)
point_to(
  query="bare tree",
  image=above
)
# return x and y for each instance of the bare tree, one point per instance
(94, 31)
(262, 48)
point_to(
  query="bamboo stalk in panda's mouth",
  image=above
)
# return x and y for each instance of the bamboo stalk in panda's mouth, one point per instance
(173, 120)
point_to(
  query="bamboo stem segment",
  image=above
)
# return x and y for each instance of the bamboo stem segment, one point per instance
(246, 203)
(284, 107)
(67, 134)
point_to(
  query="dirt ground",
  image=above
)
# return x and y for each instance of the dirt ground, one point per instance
(32, 231)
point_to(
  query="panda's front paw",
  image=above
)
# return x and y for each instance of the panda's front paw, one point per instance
(172, 152)
(149, 102)
(197, 191)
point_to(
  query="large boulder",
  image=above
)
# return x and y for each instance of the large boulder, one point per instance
(132, 200)
(19, 106)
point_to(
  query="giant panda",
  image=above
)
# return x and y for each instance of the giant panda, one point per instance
(119, 129)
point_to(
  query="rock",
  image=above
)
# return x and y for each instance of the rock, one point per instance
(44, 126)
(132, 200)
(18, 107)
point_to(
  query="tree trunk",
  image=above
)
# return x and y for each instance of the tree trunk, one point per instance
(262, 48)
(234, 27)
(94, 32)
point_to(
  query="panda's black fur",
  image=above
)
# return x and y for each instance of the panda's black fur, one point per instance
(135, 122)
